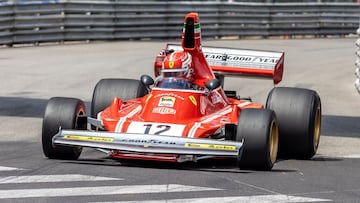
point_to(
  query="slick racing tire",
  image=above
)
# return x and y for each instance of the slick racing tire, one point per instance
(259, 130)
(299, 115)
(107, 89)
(64, 113)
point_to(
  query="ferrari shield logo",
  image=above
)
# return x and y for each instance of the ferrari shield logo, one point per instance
(171, 64)
(193, 100)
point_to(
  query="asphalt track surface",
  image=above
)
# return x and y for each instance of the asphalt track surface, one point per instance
(30, 75)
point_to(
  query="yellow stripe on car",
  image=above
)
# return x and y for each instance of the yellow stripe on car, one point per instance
(211, 146)
(89, 138)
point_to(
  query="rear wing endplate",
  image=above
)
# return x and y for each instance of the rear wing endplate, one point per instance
(242, 62)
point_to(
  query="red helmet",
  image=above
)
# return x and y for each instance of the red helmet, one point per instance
(177, 64)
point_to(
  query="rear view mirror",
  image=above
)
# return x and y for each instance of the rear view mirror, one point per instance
(212, 84)
(147, 80)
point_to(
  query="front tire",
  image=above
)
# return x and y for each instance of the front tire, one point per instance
(259, 129)
(299, 114)
(107, 89)
(61, 112)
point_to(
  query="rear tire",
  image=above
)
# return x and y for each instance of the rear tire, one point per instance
(259, 129)
(61, 112)
(107, 89)
(299, 115)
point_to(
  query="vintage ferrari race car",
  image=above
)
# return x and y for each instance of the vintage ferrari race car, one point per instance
(169, 120)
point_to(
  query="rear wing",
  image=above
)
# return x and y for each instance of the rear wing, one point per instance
(242, 62)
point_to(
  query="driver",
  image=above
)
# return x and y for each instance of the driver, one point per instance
(177, 72)
(177, 64)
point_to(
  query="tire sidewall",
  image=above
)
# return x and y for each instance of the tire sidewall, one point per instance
(107, 89)
(296, 110)
(254, 126)
(60, 112)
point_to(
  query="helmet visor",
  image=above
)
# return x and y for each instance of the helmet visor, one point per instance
(176, 73)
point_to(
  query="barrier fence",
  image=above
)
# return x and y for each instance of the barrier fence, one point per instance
(60, 20)
(357, 62)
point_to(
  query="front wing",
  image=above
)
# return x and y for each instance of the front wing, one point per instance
(144, 143)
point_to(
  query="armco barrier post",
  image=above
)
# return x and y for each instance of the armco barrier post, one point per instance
(357, 63)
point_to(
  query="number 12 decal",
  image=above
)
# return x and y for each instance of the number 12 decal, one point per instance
(159, 128)
(175, 130)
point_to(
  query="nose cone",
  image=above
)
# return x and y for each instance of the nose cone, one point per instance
(172, 106)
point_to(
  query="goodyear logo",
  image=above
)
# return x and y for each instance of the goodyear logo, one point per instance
(211, 146)
(89, 138)
(193, 100)
(171, 64)
(241, 59)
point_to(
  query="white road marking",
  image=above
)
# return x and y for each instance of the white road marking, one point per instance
(52, 178)
(4, 168)
(102, 190)
(345, 156)
(352, 156)
(127, 189)
(247, 199)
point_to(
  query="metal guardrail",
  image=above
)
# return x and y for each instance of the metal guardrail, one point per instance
(65, 20)
(357, 63)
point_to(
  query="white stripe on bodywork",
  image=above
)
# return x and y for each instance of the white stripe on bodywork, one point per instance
(197, 125)
(120, 124)
(194, 129)
(217, 115)
(98, 117)
(243, 104)
(122, 120)
(227, 110)
(171, 56)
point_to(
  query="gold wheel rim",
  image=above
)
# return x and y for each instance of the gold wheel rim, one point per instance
(317, 127)
(273, 142)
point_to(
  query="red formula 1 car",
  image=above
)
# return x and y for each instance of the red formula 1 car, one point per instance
(189, 118)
